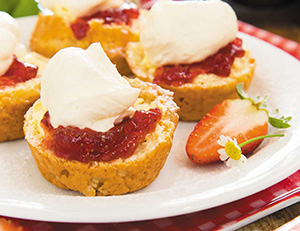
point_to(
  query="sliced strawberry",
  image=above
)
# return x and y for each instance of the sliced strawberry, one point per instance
(238, 119)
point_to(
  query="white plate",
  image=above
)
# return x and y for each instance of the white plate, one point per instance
(182, 187)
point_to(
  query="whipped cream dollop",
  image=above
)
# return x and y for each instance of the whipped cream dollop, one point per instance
(9, 42)
(187, 31)
(80, 8)
(83, 88)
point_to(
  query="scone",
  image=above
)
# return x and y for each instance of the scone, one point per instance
(74, 152)
(113, 27)
(195, 99)
(19, 79)
(185, 48)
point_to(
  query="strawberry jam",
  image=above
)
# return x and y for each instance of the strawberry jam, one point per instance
(18, 72)
(219, 64)
(114, 15)
(84, 145)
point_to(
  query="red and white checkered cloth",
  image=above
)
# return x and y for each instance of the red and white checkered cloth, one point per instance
(291, 47)
(225, 216)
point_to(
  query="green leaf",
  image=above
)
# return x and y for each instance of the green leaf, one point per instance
(259, 101)
(8, 5)
(241, 91)
(280, 123)
(24, 8)
(261, 104)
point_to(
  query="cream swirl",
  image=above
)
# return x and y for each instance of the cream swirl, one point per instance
(187, 31)
(83, 88)
(9, 41)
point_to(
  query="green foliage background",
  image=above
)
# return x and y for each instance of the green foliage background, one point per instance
(19, 8)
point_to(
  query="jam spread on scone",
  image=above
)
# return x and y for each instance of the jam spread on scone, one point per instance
(91, 113)
(113, 15)
(18, 72)
(219, 64)
(73, 143)
(12, 70)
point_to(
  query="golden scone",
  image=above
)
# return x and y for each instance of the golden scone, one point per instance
(116, 176)
(16, 100)
(197, 98)
(53, 33)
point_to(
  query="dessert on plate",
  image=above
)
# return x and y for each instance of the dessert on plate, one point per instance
(19, 79)
(96, 132)
(80, 23)
(192, 49)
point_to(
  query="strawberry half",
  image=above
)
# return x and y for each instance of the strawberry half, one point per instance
(233, 118)
(242, 119)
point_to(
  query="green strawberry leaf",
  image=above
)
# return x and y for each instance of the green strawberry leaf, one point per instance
(261, 103)
(280, 123)
(241, 91)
